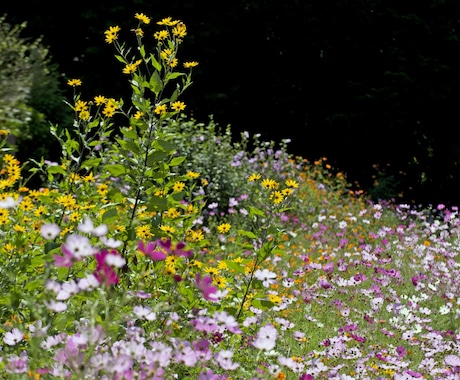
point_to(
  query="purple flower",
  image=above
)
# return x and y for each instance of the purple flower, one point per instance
(205, 285)
(13, 337)
(104, 273)
(266, 338)
(149, 250)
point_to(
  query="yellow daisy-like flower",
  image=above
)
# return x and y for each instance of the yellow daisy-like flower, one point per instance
(292, 183)
(143, 18)
(276, 197)
(167, 229)
(211, 271)
(74, 82)
(40, 211)
(171, 261)
(161, 35)
(89, 177)
(99, 100)
(68, 201)
(288, 191)
(143, 232)
(192, 175)
(254, 177)
(178, 106)
(189, 65)
(275, 298)
(4, 132)
(84, 115)
(27, 204)
(102, 189)
(219, 281)
(180, 30)
(161, 109)
(80, 105)
(111, 34)
(196, 235)
(131, 67)
(75, 217)
(178, 186)
(168, 22)
(138, 115)
(173, 62)
(222, 265)
(270, 184)
(224, 228)
(172, 213)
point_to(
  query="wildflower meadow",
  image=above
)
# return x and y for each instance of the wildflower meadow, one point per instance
(159, 247)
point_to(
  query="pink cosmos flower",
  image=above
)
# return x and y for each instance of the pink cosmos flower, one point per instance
(205, 285)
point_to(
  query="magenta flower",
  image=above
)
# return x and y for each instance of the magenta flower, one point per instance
(206, 287)
(149, 250)
(176, 249)
(104, 273)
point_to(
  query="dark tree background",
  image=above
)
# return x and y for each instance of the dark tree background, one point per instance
(372, 85)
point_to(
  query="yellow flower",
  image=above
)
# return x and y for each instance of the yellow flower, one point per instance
(224, 228)
(68, 201)
(192, 175)
(292, 183)
(189, 65)
(138, 115)
(143, 18)
(161, 109)
(143, 232)
(211, 271)
(40, 211)
(74, 82)
(161, 35)
(111, 34)
(80, 105)
(172, 213)
(196, 235)
(19, 228)
(168, 22)
(219, 281)
(75, 217)
(84, 115)
(178, 106)
(171, 261)
(167, 229)
(99, 99)
(102, 189)
(178, 186)
(89, 177)
(276, 197)
(269, 184)
(254, 177)
(27, 204)
(173, 62)
(131, 67)
(276, 299)
(288, 191)
(180, 30)
(222, 265)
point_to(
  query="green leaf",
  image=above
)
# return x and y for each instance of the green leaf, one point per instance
(176, 161)
(56, 170)
(155, 63)
(91, 163)
(157, 203)
(248, 234)
(116, 169)
(255, 211)
(155, 83)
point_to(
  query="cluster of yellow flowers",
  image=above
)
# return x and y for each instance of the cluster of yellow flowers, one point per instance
(11, 170)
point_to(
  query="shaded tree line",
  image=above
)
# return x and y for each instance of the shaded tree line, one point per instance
(372, 85)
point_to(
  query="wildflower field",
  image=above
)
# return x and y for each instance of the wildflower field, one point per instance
(161, 248)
